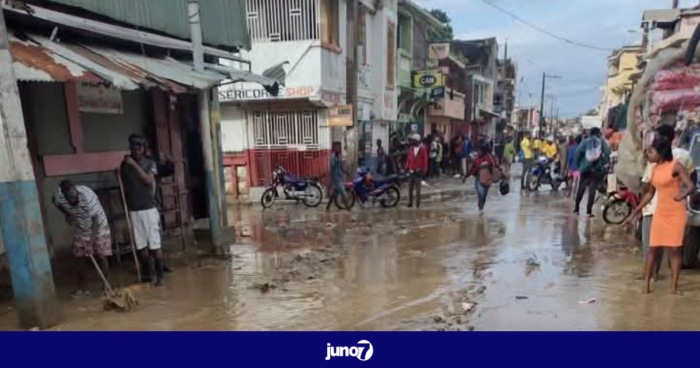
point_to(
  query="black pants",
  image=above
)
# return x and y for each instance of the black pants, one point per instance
(592, 182)
(414, 184)
(527, 166)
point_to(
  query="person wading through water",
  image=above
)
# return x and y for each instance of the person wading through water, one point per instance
(417, 167)
(487, 172)
(82, 210)
(138, 174)
(338, 174)
(668, 224)
(592, 157)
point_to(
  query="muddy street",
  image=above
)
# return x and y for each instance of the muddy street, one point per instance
(527, 264)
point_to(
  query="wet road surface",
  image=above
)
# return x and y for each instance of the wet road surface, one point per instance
(397, 269)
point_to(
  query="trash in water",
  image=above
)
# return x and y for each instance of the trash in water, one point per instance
(589, 301)
(521, 297)
(468, 307)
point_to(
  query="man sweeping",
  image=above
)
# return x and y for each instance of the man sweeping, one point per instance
(138, 174)
(82, 210)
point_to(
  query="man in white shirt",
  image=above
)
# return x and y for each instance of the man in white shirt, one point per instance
(683, 157)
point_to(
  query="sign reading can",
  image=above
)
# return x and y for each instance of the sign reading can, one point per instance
(341, 116)
(428, 79)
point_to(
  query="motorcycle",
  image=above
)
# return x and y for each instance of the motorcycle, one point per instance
(619, 206)
(307, 191)
(542, 173)
(365, 189)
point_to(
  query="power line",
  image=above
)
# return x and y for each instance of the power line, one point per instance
(542, 30)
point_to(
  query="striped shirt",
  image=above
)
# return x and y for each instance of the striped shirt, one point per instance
(88, 214)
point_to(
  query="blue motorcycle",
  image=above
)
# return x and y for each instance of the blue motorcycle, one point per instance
(544, 172)
(307, 191)
(365, 189)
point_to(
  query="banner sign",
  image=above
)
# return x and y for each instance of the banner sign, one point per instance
(341, 116)
(428, 79)
(99, 98)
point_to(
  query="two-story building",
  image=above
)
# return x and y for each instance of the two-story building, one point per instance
(482, 71)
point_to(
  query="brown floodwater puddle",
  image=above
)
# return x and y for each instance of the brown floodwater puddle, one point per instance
(537, 262)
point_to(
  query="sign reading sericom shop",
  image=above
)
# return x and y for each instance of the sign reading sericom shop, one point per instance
(226, 95)
(340, 116)
(428, 79)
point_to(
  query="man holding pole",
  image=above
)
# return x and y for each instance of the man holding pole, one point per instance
(138, 174)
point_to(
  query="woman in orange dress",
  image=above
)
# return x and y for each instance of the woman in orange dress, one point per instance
(668, 224)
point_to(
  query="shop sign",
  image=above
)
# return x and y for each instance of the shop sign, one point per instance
(232, 94)
(99, 98)
(437, 93)
(428, 79)
(438, 51)
(340, 116)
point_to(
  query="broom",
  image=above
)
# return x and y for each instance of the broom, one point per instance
(120, 300)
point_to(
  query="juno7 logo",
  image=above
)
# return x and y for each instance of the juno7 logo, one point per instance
(362, 352)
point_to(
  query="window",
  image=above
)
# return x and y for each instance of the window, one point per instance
(362, 41)
(391, 56)
(330, 18)
(405, 33)
(279, 21)
(282, 129)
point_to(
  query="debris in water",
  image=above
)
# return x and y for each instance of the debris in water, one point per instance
(331, 225)
(521, 297)
(264, 287)
(589, 301)
(481, 289)
(532, 261)
(438, 319)
(468, 307)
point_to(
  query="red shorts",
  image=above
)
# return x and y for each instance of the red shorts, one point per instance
(100, 246)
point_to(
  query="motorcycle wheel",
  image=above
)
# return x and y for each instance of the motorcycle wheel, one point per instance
(616, 211)
(268, 198)
(392, 198)
(313, 195)
(351, 201)
(534, 183)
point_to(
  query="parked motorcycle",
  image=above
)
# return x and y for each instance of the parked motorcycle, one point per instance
(366, 190)
(542, 173)
(307, 191)
(619, 206)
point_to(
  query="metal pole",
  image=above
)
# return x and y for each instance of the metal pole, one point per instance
(542, 122)
(352, 133)
(21, 223)
(210, 178)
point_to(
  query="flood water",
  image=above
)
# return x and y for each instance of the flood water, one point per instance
(537, 262)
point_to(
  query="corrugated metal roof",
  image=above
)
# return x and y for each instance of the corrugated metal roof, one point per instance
(33, 62)
(661, 15)
(38, 59)
(224, 22)
(167, 68)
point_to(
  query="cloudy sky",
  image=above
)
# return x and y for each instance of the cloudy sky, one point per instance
(602, 23)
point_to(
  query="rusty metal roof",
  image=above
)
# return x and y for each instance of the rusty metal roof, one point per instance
(38, 59)
(33, 62)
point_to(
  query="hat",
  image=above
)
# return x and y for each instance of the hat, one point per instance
(550, 138)
(416, 137)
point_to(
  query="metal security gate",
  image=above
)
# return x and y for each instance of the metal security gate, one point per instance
(285, 129)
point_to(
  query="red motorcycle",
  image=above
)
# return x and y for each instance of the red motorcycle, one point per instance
(619, 206)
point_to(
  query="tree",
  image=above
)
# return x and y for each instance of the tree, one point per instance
(446, 34)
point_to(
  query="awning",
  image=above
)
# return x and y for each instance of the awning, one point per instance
(34, 63)
(36, 58)
(487, 112)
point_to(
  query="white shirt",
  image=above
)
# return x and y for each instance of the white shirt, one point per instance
(679, 154)
(416, 149)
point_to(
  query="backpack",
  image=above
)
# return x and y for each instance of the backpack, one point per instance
(594, 150)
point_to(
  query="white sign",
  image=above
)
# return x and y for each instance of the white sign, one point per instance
(99, 98)
(231, 94)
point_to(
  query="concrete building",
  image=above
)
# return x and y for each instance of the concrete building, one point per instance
(482, 68)
(622, 67)
(295, 129)
(85, 84)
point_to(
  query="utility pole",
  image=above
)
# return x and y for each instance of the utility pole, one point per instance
(210, 177)
(674, 4)
(352, 69)
(542, 121)
(21, 223)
